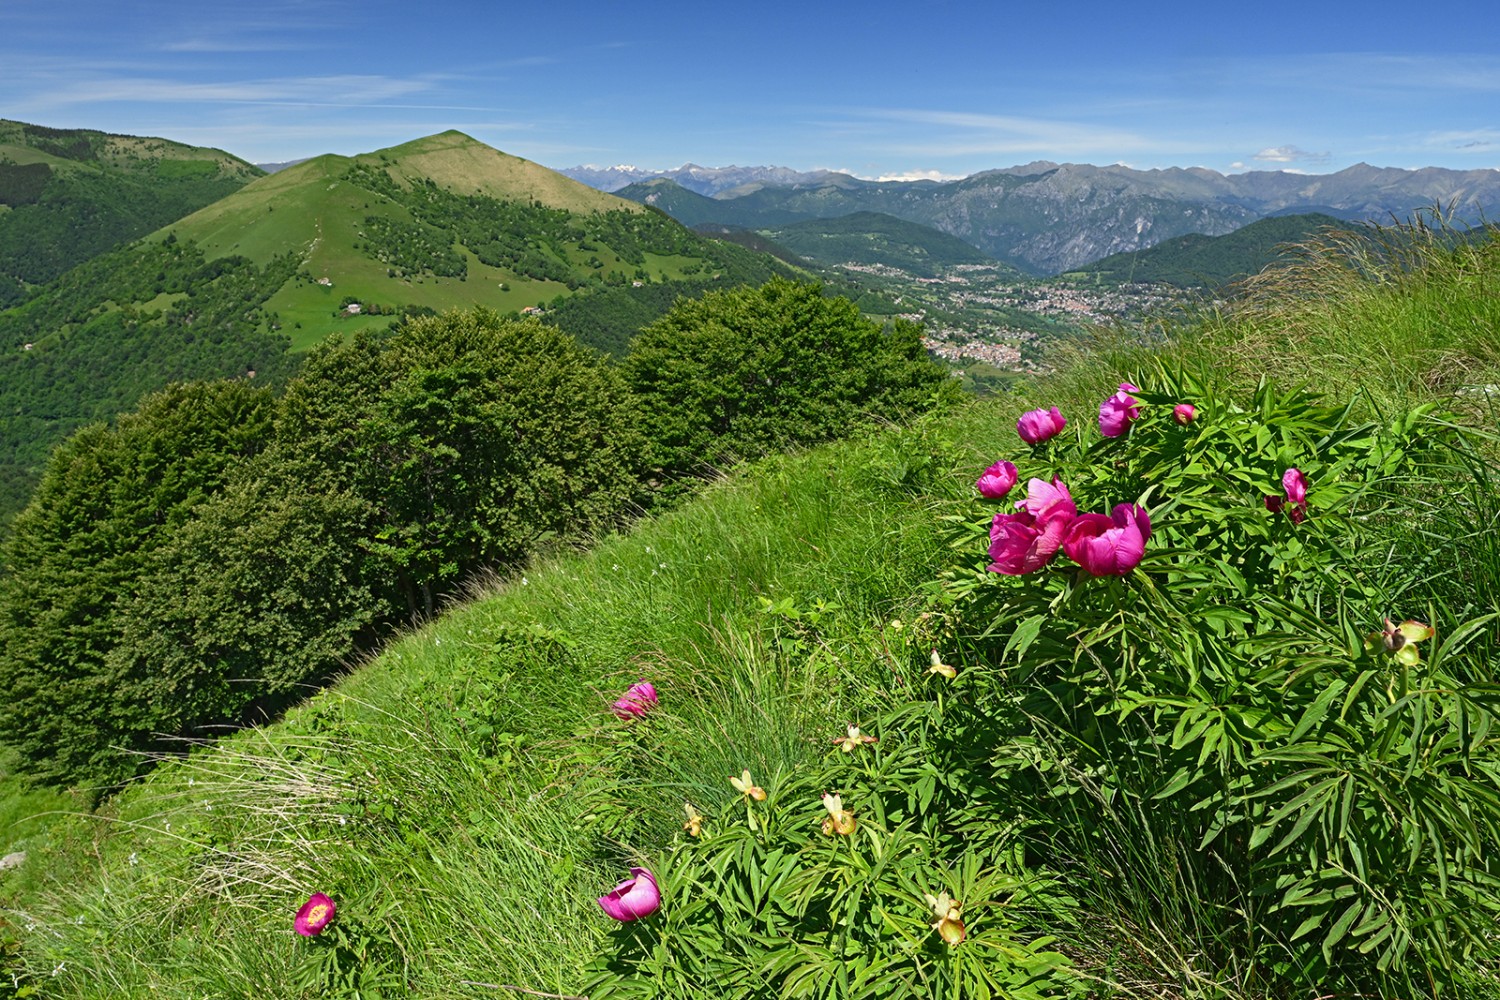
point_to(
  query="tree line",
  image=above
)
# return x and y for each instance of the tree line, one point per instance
(202, 560)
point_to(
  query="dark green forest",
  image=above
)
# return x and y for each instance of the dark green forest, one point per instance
(89, 358)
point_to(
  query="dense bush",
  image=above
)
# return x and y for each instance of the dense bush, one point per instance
(741, 373)
(1221, 746)
(470, 438)
(109, 498)
(163, 581)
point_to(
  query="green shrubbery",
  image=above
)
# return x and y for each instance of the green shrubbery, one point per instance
(1215, 751)
(743, 373)
(220, 548)
(206, 558)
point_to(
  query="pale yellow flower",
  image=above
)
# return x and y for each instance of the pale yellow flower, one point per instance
(840, 820)
(746, 786)
(694, 824)
(949, 923)
(941, 668)
(854, 739)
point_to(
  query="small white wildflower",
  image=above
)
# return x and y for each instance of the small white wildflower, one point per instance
(616, 566)
(648, 548)
(437, 642)
(60, 966)
(343, 820)
(662, 565)
(208, 805)
(78, 920)
(191, 782)
(525, 582)
(134, 858)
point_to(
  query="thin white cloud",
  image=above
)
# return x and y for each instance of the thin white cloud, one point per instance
(920, 175)
(348, 90)
(1467, 140)
(965, 133)
(1289, 154)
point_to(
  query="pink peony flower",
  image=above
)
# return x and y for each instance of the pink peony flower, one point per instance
(1024, 542)
(1037, 426)
(1048, 502)
(314, 915)
(1295, 502)
(1184, 413)
(1119, 411)
(1295, 484)
(637, 700)
(1109, 546)
(997, 480)
(634, 898)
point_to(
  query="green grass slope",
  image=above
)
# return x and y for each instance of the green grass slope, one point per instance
(466, 795)
(70, 194)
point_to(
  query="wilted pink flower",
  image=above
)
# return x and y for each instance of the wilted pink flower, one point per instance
(1037, 426)
(634, 898)
(1118, 411)
(314, 915)
(1184, 413)
(1109, 546)
(997, 480)
(1023, 542)
(637, 700)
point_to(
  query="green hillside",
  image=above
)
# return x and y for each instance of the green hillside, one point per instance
(70, 194)
(1209, 262)
(1262, 760)
(336, 244)
(877, 238)
(438, 223)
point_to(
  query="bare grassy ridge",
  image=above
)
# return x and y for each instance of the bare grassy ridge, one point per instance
(465, 795)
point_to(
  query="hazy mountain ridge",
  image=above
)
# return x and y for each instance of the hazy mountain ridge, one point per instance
(1048, 218)
(707, 181)
(1211, 262)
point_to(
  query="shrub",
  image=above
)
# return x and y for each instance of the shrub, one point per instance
(471, 438)
(1219, 746)
(109, 498)
(741, 373)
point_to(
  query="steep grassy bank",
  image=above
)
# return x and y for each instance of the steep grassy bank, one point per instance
(465, 796)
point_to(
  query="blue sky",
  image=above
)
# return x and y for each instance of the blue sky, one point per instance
(878, 88)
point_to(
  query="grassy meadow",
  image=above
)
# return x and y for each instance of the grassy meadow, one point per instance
(466, 794)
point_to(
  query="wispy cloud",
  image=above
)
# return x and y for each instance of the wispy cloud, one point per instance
(1289, 154)
(1468, 140)
(313, 91)
(963, 133)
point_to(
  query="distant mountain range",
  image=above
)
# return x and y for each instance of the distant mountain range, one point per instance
(709, 181)
(1047, 217)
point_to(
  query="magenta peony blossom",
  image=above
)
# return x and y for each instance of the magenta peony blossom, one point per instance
(1024, 542)
(634, 898)
(314, 915)
(1119, 411)
(1037, 426)
(637, 700)
(1048, 502)
(1295, 484)
(1184, 413)
(1295, 502)
(997, 480)
(1109, 546)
